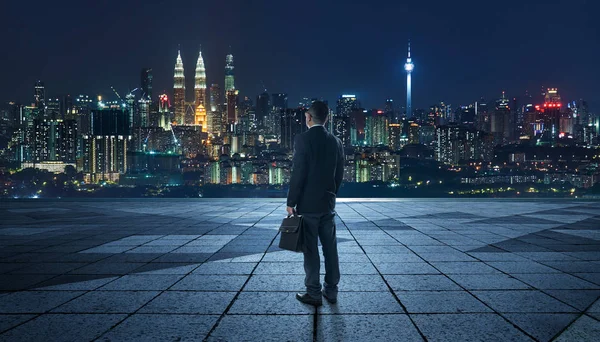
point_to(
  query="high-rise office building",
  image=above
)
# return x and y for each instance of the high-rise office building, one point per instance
(200, 117)
(376, 130)
(179, 91)
(280, 100)
(53, 109)
(346, 104)
(146, 83)
(232, 103)
(229, 79)
(409, 66)
(54, 140)
(292, 123)
(215, 98)
(105, 148)
(200, 83)
(395, 132)
(164, 119)
(501, 121)
(263, 108)
(39, 96)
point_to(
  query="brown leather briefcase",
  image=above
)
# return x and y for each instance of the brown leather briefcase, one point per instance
(291, 233)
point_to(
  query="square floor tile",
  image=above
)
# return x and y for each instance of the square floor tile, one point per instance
(188, 302)
(107, 302)
(254, 328)
(152, 327)
(441, 302)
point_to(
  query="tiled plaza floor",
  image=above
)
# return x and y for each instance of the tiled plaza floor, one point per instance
(193, 270)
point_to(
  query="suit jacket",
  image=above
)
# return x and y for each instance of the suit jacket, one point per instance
(317, 171)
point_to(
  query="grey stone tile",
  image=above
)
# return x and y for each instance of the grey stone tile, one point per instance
(467, 327)
(348, 268)
(497, 256)
(167, 268)
(107, 302)
(591, 277)
(61, 327)
(574, 266)
(582, 330)
(464, 267)
(206, 282)
(403, 257)
(35, 301)
(411, 282)
(522, 267)
(522, 301)
(48, 268)
(556, 281)
(252, 328)
(142, 282)
(362, 283)
(446, 256)
(237, 257)
(263, 282)
(389, 249)
(393, 327)
(542, 326)
(188, 302)
(19, 282)
(269, 303)
(108, 268)
(151, 327)
(362, 303)
(406, 268)
(441, 302)
(9, 321)
(488, 282)
(547, 256)
(225, 268)
(292, 267)
(72, 282)
(579, 299)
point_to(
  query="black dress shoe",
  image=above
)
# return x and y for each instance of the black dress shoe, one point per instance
(308, 299)
(331, 300)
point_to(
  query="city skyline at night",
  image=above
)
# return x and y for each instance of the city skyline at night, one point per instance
(458, 60)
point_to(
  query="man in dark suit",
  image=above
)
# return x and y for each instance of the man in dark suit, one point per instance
(317, 172)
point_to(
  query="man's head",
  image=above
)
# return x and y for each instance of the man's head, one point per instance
(317, 114)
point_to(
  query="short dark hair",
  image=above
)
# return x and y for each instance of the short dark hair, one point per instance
(319, 111)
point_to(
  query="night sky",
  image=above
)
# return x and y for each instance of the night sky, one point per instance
(462, 50)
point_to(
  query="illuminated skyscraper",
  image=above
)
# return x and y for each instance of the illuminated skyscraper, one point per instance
(146, 82)
(200, 85)
(215, 97)
(232, 102)
(346, 104)
(229, 80)
(409, 66)
(376, 130)
(200, 117)
(39, 96)
(163, 112)
(179, 91)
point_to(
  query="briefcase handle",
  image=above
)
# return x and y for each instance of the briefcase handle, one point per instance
(295, 213)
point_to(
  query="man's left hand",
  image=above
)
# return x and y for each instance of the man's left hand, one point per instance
(290, 210)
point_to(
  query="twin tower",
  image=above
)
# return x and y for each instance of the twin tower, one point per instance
(200, 103)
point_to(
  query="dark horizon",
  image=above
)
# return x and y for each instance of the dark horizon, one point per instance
(461, 53)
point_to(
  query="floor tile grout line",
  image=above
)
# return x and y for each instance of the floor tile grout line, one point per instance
(486, 263)
(235, 297)
(583, 313)
(160, 292)
(465, 289)
(169, 287)
(385, 281)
